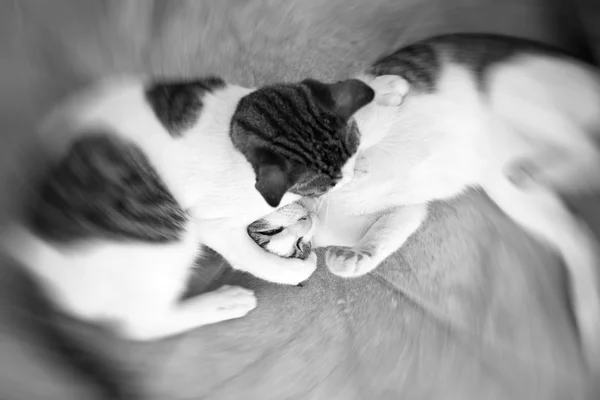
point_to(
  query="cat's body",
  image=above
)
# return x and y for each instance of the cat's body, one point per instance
(512, 117)
(142, 176)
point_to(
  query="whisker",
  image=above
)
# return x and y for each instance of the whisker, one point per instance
(327, 214)
(321, 203)
(315, 206)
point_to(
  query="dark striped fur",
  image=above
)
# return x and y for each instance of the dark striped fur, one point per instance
(303, 131)
(104, 188)
(178, 104)
(289, 117)
(421, 63)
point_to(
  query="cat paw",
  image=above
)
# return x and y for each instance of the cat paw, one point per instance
(348, 262)
(521, 173)
(296, 271)
(390, 90)
(228, 302)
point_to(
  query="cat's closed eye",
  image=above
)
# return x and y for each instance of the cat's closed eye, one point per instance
(271, 232)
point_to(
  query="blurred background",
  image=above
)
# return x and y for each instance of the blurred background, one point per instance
(471, 309)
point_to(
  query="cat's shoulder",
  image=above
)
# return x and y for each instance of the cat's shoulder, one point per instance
(422, 62)
(103, 175)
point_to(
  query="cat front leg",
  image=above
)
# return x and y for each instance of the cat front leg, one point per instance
(156, 322)
(386, 235)
(237, 247)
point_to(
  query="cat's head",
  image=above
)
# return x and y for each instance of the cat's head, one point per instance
(286, 232)
(300, 137)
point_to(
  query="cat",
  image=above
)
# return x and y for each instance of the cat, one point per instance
(143, 174)
(514, 117)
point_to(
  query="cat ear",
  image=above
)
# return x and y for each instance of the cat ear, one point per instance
(343, 97)
(273, 178)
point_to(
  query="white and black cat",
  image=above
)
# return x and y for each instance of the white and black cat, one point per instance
(516, 118)
(142, 175)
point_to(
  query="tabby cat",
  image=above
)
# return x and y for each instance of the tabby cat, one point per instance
(514, 117)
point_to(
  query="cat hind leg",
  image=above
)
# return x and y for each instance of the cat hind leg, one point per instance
(543, 214)
(561, 171)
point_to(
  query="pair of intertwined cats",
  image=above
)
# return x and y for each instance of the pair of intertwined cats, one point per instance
(146, 173)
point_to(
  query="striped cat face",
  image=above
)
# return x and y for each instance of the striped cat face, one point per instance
(299, 137)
